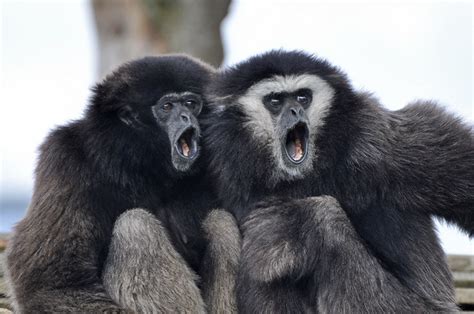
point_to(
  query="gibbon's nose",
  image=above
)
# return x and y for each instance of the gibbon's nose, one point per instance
(297, 112)
(185, 117)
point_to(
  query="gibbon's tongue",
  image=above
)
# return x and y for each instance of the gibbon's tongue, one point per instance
(184, 146)
(298, 154)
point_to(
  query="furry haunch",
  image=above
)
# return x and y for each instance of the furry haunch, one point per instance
(137, 146)
(334, 193)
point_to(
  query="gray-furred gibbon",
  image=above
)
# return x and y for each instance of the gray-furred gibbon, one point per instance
(137, 146)
(335, 194)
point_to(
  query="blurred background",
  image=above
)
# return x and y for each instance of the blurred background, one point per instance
(52, 52)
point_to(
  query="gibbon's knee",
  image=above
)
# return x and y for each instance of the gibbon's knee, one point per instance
(144, 272)
(138, 224)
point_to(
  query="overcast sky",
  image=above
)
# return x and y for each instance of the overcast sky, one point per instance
(399, 51)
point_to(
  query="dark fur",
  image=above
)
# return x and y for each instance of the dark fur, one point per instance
(92, 170)
(391, 171)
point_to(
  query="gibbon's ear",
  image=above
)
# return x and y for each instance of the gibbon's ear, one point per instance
(129, 117)
(110, 94)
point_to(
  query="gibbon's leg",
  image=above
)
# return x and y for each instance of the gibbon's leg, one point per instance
(144, 272)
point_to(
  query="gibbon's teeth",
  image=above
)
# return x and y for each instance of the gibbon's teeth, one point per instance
(184, 147)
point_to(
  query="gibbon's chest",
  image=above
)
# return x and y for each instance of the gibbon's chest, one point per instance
(183, 220)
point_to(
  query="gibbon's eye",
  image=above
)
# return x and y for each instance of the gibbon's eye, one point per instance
(190, 103)
(194, 105)
(275, 102)
(167, 106)
(302, 99)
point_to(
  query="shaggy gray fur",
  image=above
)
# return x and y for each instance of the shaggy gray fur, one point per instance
(146, 274)
(318, 222)
(221, 262)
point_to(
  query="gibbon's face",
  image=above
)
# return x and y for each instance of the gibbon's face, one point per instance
(173, 114)
(285, 113)
(176, 114)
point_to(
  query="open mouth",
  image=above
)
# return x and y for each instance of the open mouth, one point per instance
(296, 144)
(186, 145)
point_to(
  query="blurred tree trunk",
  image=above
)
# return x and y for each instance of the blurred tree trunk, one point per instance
(128, 29)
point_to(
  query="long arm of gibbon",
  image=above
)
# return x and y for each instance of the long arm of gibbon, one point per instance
(52, 262)
(312, 240)
(438, 148)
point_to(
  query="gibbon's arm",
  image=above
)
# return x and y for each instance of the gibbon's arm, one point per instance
(312, 240)
(144, 272)
(53, 260)
(438, 148)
